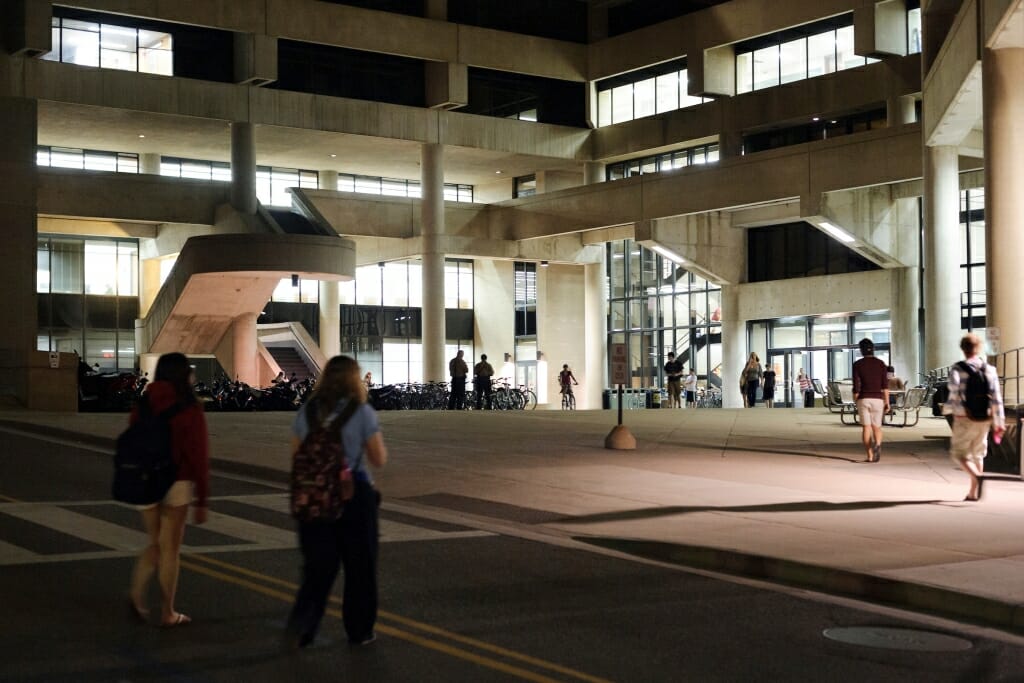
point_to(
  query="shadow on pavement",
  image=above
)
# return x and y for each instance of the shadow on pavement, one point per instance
(796, 506)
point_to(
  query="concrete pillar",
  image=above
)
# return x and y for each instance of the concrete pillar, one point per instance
(330, 319)
(900, 110)
(432, 227)
(243, 167)
(734, 351)
(18, 316)
(1004, 180)
(243, 349)
(730, 144)
(905, 356)
(595, 334)
(149, 163)
(593, 172)
(327, 180)
(941, 257)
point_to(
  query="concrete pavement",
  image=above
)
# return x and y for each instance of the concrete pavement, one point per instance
(770, 494)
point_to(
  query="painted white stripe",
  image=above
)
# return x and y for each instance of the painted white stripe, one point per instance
(81, 526)
(12, 554)
(254, 532)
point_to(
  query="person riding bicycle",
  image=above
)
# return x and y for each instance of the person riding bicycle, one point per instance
(566, 380)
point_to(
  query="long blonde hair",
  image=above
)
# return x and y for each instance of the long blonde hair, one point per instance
(341, 379)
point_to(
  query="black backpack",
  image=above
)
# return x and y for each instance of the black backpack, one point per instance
(976, 397)
(144, 467)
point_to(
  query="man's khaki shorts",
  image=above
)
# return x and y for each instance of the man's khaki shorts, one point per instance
(870, 411)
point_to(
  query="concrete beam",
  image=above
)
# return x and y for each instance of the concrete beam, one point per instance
(951, 90)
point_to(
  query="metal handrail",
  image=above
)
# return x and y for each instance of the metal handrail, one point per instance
(1008, 367)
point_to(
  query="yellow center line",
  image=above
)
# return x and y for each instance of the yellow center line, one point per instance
(434, 630)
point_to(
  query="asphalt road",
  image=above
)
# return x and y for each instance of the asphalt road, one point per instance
(459, 603)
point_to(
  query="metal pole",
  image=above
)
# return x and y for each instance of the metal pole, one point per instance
(620, 404)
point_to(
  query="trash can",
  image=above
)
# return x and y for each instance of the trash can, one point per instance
(606, 399)
(655, 398)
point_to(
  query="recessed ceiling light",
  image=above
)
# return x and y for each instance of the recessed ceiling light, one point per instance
(815, 119)
(141, 136)
(498, 172)
(833, 121)
(334, 156)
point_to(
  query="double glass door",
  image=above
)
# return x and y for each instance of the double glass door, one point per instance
(831, 363)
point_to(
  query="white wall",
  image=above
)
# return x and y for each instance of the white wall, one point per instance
(494, 317)
(561, 328)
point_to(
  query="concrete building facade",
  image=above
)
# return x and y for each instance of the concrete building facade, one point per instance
(740, 176)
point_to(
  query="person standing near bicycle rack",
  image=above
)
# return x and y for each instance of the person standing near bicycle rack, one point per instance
(690, 386)
(482, 373)
(457, 370)
(674, 374)
(566, 380)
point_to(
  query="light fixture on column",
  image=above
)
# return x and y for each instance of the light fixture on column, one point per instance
(543, 264)
(508, 357)
(380, 264)
(295, 280)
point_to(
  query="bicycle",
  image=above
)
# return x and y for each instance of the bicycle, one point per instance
(568, 398)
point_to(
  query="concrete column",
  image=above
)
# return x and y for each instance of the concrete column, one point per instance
(734, 352)
(593, 172)
(330, 319)
(432, 227)
(149, 163)
(327, 180)
(595, 334)
(243, 167)
(1004, 180)
(18, 317)
(243, 349)
(905, 356)
(730, 144)
(941, 257)
(900, 110)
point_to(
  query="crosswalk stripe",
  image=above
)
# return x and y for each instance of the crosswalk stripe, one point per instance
(127, 541)
(81, 526)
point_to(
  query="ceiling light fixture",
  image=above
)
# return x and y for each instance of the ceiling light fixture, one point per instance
(497, 172)
(669, 254)
(838, 233)
(141, 136)
(815, 118)
(334, 156)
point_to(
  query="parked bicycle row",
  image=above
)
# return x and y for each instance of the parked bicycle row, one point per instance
(438, 396)
(118, 392)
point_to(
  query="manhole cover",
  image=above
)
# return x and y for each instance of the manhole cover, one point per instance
(897, 639)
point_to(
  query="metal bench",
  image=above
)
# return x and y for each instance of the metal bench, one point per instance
(912, 402)
(840, 400)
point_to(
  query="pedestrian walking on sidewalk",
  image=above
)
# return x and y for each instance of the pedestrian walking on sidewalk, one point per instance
(164, 521)
(750, 380)
(871, 394)
(976, 404)
(351, 540)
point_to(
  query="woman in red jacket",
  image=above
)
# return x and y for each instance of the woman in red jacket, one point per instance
(165, 521)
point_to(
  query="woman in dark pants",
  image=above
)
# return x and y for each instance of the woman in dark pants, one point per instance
(351, 541)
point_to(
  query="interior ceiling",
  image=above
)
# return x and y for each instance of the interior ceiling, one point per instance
(100, 128)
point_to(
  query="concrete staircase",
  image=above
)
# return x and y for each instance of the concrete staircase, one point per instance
(290, 361)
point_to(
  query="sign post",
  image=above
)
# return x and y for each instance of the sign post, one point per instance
(620, 438)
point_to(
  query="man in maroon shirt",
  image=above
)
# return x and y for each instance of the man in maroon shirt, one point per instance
(871, 392)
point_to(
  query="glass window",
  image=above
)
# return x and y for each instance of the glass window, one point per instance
(914, 31)
(43, 266)
(391, 187)
(793, 60)
(61, 157)
(127, 163)
(667, 92)
(100, 161)
(101, 271)
(415, 284)
(643, 98)
(368, 286)
(821, 54)
(766, 67)
(604, 108)
(686, 100)
(622, 103)
(155, 53)
(396, 284)
(744, 72)
(367, 184)
(118, 47)
(79, 46)
(346, 182)
(845, 56)
(127, 269)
